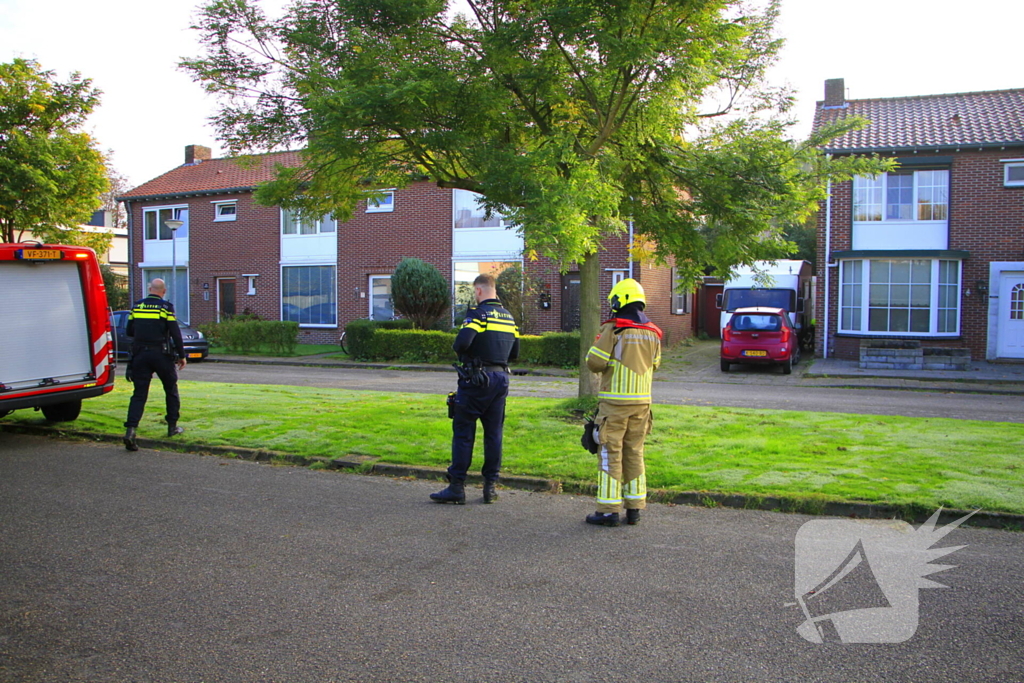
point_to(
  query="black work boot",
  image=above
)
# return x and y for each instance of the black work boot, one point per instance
(174, 430)
(129, 439)
(455, 493)
(604, 518)
(632, 516)
(490, 492)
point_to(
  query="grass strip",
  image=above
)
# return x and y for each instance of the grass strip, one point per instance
(927, 462)
(300, 350)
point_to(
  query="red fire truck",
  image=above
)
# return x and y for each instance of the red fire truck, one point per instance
(55, 337)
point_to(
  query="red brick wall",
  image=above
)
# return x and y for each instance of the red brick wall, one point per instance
(985, 219)
(369, 244)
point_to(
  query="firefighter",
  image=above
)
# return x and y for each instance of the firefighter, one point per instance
(626, 354)
(487, 341)
(156, 347)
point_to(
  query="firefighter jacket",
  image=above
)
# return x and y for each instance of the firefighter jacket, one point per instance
(152, 324)
(489, 333)
(626, 354)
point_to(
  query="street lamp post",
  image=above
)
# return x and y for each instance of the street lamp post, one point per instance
(173, 225)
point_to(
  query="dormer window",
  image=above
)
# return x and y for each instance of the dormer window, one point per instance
(225, 211)
(1013, 172)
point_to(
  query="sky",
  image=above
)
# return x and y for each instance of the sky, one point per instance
(150, 110)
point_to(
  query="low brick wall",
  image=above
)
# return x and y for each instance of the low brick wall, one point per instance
(910, 355)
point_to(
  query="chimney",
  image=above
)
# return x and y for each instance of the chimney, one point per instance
(835, 93)
(196, 153)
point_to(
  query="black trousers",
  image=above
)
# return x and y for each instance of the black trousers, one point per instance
(144, 364)
(486, 404)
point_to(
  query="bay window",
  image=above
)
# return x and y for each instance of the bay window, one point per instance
(901, 296)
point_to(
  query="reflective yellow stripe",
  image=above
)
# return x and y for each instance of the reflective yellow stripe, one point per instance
(636, 489)
(609, 490)
(474, 325)
(598, 353)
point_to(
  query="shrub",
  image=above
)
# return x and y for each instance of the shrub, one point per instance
(244, 335)
(560, 349)
(420, 293)
(359, 335)
(414, 346)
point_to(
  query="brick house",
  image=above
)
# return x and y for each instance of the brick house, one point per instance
(932, 252)
(232, 255)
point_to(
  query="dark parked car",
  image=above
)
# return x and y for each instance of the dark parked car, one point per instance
(196, 346)
(760, 336)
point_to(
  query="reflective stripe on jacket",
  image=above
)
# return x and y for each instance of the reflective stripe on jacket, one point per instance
(626, 358)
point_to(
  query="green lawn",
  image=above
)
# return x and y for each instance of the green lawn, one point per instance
(898, 460)
(300, 350)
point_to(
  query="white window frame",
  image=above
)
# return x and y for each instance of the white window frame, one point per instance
(680, 300)
(377, 206)
(299, 223)
(369, 303)
(618, 275)
(175, 210)
(860, 312)
(866, 184)
(325, 326)
(1007, 165)
(219, 208)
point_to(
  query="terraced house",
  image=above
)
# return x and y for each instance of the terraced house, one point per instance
(931, 253)
(231, 255)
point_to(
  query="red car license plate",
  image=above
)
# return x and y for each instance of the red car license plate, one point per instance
(755, 353)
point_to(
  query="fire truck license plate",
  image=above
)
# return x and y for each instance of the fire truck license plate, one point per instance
(40, 254)
(755, 353)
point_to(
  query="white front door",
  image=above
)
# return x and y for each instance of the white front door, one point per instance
(1011, 315)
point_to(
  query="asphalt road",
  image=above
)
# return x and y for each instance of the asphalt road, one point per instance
(761, 392)
(168, 567)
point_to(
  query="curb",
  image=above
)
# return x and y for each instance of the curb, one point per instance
(364, 464)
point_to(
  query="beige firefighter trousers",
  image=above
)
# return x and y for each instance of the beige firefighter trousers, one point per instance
(620, 478)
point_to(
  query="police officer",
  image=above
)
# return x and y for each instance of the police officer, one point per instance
(487, 341)
(156, 347)
(626, 354)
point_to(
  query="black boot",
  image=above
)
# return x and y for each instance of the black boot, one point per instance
(490, 492)
(455, 493)
(174, 430)
(632, 516)
(129, 439)
(604, 518)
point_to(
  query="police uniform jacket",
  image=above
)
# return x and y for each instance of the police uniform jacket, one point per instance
(151, 324)
(489, 333)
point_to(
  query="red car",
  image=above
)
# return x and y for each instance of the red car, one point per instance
(760, 336)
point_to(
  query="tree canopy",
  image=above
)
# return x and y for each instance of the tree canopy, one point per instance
(51, 173)
(568, 116)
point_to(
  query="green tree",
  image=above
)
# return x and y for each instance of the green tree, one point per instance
(117, 288)
(519, 294)
(51, 174)
(420, 293)
(568, 116)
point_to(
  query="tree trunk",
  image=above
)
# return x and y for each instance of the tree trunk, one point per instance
(590, 319)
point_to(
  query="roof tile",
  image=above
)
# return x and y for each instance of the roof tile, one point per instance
(930, 121)
(214, 175)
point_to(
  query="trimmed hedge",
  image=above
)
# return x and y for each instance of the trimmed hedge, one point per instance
(388, 340)
(560, 349)
(359, 336)
(241, 335)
